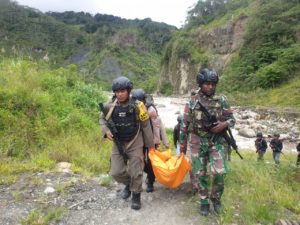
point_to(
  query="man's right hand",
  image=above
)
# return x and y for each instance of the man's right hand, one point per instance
(109, 135)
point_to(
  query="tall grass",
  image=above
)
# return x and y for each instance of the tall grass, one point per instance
(260, 192)
(48, 116)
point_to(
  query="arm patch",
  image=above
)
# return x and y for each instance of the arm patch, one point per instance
(143, 114)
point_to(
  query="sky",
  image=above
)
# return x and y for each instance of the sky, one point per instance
(172, 12)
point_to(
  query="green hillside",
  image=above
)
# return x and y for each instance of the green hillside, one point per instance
(103, 46)
(266, 61)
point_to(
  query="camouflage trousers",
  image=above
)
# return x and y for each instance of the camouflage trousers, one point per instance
(207, 159)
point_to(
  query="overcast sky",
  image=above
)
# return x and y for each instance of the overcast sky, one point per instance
(172, 12)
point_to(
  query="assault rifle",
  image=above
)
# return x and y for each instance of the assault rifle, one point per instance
(226, 134)
(111, 126)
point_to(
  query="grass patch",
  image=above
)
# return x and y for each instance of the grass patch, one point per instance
(38, 217)
(260, 192)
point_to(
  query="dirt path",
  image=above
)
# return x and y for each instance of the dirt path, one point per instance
(87, 202)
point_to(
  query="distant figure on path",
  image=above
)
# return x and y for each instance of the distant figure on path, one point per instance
(276, 146)
(261, 146)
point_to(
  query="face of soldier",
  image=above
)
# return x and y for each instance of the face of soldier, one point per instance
(208, 88)
(122, 95)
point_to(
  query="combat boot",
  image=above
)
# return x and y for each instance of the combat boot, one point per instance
(136, 201)
(126, 192)
(150, 187)
(204, 209)
(217, 205)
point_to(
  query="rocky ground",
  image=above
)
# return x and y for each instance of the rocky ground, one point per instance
(87, 202)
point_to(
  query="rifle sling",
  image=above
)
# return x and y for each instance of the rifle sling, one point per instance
(111, 109)
(131, 142)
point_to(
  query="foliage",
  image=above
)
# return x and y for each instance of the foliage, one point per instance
(205, 11)
(270, 55)
(49, 116)
(27, 32)
(287, 95)
(166, 88)
(86, 40)
(260, 192)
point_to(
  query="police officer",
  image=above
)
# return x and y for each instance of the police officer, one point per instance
(206, 142)
(133, 127)
(159, 134)
(260, 145)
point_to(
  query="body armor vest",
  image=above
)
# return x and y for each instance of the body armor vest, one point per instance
(125, 120)
(197, 120)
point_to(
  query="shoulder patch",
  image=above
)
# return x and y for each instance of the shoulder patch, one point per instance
(143, 114)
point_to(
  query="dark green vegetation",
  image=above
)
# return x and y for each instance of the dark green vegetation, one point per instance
(268, 60)
(270, 55)
(48, 116)
(103, 46)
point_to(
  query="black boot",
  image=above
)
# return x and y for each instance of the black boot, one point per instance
(126, 192)
(150, 187)
(204, 209)
(136, 201)
(217, 205)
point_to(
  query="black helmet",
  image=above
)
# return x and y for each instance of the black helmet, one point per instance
(139, 94)
(206, 75)
(259, 134)
(122, 83)
(179, 118)
(276, 134)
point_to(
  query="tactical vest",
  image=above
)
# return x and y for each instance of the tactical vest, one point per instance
(197, 120)
(125, 120)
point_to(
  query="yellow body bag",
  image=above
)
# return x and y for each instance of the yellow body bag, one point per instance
(169, 170)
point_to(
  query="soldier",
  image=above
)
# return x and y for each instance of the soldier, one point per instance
(276, 146)
(133, 130)
(298, 157)
(159, 134)
(205, 141)
(176, 133)
(261, 146)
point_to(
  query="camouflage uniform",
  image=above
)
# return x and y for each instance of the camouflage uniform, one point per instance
(207, 149)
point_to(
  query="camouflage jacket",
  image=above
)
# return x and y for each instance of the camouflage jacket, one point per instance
(195, 121)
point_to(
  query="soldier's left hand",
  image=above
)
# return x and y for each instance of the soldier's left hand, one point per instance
(167, 146)
(219, 127)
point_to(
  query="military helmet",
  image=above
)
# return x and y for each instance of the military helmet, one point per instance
(259, 134)
(276, 135)
(121, 83)
(139, 94)
(206, 75)
(179, 118)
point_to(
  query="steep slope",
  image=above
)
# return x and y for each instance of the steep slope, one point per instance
(103, 46)
(252, 41)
